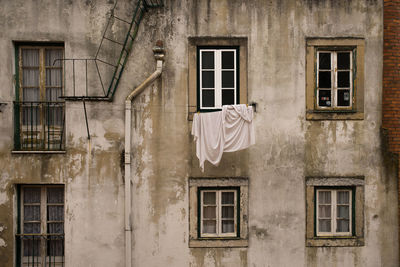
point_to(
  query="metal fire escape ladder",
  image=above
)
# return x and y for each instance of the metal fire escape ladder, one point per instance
(140, 8)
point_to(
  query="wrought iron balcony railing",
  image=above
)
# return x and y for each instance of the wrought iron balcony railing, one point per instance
(39, 126)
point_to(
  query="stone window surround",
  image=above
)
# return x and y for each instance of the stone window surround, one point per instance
(194, 184)
(355, 182)
(193, 43)
(357, 113)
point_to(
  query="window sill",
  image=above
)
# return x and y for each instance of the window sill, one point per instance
(335, 242)
(38, 152)
(218, 243)
(334, 115)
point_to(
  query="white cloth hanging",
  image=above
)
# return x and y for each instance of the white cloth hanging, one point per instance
(228, 130)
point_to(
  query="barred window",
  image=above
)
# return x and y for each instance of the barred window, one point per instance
(41, 226)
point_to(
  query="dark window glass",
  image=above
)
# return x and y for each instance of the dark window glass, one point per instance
(55, 195)
(343, 98)
(208, 98)
(324, 79)
(324, 98)
(324, 61)
(31, 228)
(228, 97)
(343, 79)
(228, 59)
(207, 79)
(32, 195)
(32, 213)
(207, 60)
(228, 79)
(343, 61)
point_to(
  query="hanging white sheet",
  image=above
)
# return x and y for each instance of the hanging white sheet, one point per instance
(228, 130)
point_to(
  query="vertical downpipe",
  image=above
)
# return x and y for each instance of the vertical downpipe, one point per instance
(158, 51)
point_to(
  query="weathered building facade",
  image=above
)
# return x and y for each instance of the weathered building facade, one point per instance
(317, 189)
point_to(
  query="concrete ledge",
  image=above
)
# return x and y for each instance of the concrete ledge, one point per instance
(209, 243)
(335, 242)
(37, 152)
(331, 115)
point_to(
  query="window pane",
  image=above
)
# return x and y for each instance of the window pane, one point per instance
(52, 55)
(55, 246)
(343, 98)
(30, 77)
(324, 197)
(30, 57)
(324, 61)
(324, 79)
(207, 79)
(343, 79)
(324, 211)
(343, 226)
(31, 228)
(228, 226)
(324, 99)
(210, 227)
(31, 246)
(228, 197)
(228, 97)
(343, 212)
(55, 195)
(53, 94)
(31, 115)
(208, 98)
(343, 197)
(228, 79)
(32, 195)
(228, 212)
(343, 60)
(209, 198)
(207, 60)
(53, 77)
(55, 228)
(209, 212)
(228, 60)
(55, 213)
(324, 225)
(31, 213)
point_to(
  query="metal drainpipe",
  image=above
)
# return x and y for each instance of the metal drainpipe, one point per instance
(159, 52)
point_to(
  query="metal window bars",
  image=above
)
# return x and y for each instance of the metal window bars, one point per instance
(40, 250)
(39, 125)
(101, 66)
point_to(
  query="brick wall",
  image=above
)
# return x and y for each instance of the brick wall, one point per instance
(391, 78)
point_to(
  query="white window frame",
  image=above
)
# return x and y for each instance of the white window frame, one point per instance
(217, 76)
(334, 79)
(334, 213)
(219, 219)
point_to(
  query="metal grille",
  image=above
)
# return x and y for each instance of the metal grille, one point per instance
(37, 250)
(39, 125)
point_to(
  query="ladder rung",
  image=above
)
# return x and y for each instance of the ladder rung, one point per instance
(121, 19)
(113, 41)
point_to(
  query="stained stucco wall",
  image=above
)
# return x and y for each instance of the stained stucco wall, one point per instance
(288, 147)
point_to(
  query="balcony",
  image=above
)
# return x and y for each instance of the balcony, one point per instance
(39, 126)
